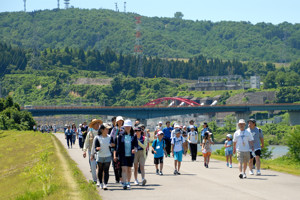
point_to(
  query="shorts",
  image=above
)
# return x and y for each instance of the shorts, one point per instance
(228, 152)
(243, 157)
(103, 159)
(178, 156)
(158, 160)
(139, 157)
(256, 153)
(126, 161)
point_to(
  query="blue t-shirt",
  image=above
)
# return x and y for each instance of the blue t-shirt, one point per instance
(203, 131)
(229, 142)
(167, 132)
(127, 141)
(159, 148)
(69, 132)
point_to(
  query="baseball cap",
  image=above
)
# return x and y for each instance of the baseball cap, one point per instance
(191, 126)
(229, 135)
(106, 125)
(176, 126)
(160, 133)
(119, 118)
(177, 131)
(160, 122)
(252, 120)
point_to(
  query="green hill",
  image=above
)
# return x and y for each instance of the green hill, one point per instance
(162, 37)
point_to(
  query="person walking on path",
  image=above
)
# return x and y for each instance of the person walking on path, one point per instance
(177, 150)
(258, 145)
(140, 156)
(126, 148)
(74, 135)
(242, 141)
(114, 134)
(158, 149)
(228, 149)
(101, 146)
(206, 148)
(94, 126)
(68, 135)
(84, 130)
(80, 137)
(204, 129)
(193, 140)
(192, 124)
(167, 137)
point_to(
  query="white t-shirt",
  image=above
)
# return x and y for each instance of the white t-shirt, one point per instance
(178, 141)
(193, 137)
(242, 139)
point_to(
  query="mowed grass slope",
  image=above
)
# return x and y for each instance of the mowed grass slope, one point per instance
(31, 168)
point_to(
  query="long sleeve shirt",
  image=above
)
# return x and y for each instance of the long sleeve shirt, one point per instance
(88, 143)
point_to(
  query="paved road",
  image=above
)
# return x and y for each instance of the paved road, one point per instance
(197, 182)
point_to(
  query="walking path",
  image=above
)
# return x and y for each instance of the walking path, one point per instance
(196, 182)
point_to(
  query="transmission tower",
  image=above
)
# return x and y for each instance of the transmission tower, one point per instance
(138, 47)
(35, 59)
(57, 4)
(117, 9)
(24, 5)
(67, 3)
(124, 6)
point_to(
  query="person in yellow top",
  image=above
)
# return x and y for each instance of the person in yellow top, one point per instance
(88, 143)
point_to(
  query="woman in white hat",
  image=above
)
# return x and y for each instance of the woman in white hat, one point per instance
(126, 148)
(114, 135)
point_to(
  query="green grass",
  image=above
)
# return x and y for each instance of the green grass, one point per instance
(29, 161)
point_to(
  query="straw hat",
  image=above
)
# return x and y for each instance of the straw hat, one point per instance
(94, 121)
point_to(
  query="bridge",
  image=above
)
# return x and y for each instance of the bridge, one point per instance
(242, 111)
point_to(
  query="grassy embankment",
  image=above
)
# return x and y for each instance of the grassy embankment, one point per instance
(31, 167)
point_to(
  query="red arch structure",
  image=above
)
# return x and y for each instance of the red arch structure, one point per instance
(159, 100)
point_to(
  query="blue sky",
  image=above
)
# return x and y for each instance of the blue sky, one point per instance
(273, 11)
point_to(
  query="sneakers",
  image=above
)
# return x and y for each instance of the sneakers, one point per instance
(98, 184)
(227, 164)
(104, 187)
(241, 176)
(157, 172)
(144, 182)
(258, 173)
(178, 173)
(244, 175)
(204, 164)
(101, 186)
(128, 186)
(251, 172)
(160, 173)
(230, 166)
(124, 186)
(175, 172)
(136, 182)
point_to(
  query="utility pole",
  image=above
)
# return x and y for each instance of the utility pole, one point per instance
(117, 9)
(67, 3)
(57, 4)
(124, 6)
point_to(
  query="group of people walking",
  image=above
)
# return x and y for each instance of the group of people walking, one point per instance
(125, 145)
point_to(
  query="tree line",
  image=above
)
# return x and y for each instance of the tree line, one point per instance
(162, 37)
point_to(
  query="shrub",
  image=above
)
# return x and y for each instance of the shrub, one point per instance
(294, 142)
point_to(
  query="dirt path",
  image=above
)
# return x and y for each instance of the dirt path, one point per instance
(68, 177)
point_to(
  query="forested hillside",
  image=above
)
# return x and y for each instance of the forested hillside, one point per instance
(49, 77)
(162, 37)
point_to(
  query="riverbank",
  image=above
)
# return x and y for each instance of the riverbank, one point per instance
(36, 166)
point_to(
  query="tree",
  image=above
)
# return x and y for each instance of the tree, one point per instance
(294, 143)
(178, 15)
(230, 122)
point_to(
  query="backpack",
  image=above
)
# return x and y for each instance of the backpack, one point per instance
(181, 140)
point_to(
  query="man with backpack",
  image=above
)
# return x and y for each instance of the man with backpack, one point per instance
(177, 150)
(158, 149)
(258, 145)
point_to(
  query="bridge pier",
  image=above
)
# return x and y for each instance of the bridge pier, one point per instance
(294, 118)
